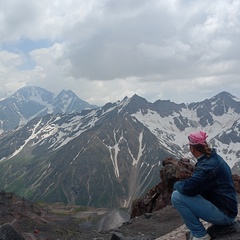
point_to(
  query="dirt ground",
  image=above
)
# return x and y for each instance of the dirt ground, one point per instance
(153, 226)
(64, 222)
(165, 224)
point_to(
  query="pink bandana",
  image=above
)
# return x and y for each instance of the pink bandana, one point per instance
(197, 138)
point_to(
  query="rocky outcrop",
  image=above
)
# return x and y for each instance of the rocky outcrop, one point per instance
(160, 196)
(236, 180)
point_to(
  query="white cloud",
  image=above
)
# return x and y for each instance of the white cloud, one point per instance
(9, 60)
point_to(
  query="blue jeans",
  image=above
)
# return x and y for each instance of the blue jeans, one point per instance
(192, 209)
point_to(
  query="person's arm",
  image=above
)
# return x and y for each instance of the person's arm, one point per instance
(194, 185)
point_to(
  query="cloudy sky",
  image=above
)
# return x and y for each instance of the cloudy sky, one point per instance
(104, 50)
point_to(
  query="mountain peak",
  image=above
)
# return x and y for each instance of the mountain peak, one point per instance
(223, 96)
(219, 105)
(67, 92)
(33, 93)
(136, 103)
(68, 102)
(32, 101)
(137, 99)
(224, 101)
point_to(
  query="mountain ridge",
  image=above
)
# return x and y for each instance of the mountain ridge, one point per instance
(112, 154)
(32, 101)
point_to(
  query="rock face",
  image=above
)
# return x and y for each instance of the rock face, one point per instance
(236, 180)
(160, 196)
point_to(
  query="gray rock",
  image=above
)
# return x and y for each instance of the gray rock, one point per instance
(112, 220)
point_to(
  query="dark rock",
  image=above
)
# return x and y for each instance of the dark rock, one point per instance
(117, 236)
(160, 196)
(147, 215)
(216, 231)
(8, 232)
(236, 180)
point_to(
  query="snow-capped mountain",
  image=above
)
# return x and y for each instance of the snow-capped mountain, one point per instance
(110, 155)
(30, 102)
(67, 102)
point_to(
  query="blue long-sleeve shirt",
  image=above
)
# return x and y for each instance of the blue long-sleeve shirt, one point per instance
(212, 178)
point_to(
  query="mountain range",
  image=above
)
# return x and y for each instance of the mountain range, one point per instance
(107, 156)
(32, 101)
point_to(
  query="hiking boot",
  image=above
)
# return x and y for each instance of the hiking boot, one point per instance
(189, 236)
(206, 237)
